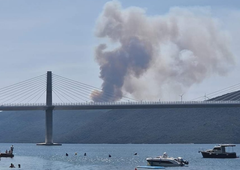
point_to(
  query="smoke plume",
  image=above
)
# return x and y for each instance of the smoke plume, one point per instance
(150, 57)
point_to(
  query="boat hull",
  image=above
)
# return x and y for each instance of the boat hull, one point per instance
(219, 155)
(163, 163)
(6, 155)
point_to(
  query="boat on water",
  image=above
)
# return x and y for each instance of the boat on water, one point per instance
(166, 161)
(150, 167)
(219, 151)
(8, 153)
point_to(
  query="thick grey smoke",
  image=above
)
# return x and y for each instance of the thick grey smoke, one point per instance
(150, 57)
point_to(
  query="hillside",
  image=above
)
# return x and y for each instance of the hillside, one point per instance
(195, 125)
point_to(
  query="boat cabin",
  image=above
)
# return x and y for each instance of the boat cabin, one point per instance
(221, 148)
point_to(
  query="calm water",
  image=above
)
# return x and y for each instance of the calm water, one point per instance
(35, 157)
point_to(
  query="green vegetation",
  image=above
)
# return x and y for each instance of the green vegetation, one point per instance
(199, 125)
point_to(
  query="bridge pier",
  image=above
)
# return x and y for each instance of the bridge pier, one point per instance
(49, 114)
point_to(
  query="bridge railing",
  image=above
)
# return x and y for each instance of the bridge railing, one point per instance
(23, 104)
(123, 103)
(148, 103)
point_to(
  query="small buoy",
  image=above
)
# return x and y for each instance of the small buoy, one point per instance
(85, 154)
(109, 156)
(75, 153)
(135, 168)
(66, 154)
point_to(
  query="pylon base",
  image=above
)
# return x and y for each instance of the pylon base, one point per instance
(49, 144)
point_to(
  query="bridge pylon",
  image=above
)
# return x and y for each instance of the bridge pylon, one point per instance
(49, 114)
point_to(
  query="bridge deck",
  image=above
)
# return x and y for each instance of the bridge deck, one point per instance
(125, 105)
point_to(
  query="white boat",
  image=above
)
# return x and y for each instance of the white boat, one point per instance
(166, 161)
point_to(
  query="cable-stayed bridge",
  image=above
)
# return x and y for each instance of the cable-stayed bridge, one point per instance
(73, 95)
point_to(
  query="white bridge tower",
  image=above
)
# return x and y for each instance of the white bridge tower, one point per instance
(49, 113)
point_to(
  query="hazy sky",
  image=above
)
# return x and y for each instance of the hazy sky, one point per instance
(59, 36)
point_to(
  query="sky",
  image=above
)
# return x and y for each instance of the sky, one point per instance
(62, 36)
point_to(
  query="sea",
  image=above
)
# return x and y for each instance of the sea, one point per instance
(123, 156)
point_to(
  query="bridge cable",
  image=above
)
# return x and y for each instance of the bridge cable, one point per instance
(84, 86)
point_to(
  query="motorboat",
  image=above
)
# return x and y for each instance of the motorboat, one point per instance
(219, 151)
(7, 155)
(166, 161)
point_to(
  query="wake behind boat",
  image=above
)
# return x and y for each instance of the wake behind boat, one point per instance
(166, 161)
(219, 151)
